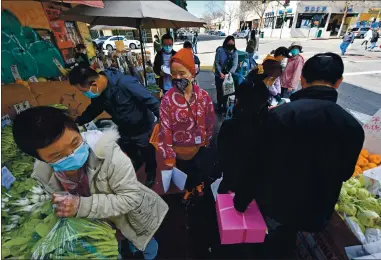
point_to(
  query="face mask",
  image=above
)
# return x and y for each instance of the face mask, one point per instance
(74, 161)
(91, 94)
(230, 47)
(167, 48)
(294, 52)
(181, 84)
(84, 51)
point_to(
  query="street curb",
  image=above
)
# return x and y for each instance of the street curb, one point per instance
(206, 68)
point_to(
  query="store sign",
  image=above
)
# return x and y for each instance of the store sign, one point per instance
(350, 10)
(288, 11)
(315, 9)
(269, 14)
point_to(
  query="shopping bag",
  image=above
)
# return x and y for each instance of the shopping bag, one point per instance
(214, 187)
(166, 177)
(228, 85)
(176, 176)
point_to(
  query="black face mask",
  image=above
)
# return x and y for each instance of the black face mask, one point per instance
(230, 47)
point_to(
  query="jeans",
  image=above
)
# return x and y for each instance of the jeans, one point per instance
(140, 151)
(195, 48)
(344, 46)
(372, 45)
(252, 62)
(151, 249)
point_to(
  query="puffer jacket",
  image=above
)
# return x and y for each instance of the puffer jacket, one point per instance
(117, 195)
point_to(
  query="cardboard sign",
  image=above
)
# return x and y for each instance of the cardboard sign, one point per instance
(21, 107)
(5, 120)
(7, 178)
(15, 72)
(373, 126)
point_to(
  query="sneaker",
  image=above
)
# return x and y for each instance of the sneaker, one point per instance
(200, 189)
(150, 181)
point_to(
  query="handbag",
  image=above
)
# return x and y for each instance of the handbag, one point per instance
(228, 85)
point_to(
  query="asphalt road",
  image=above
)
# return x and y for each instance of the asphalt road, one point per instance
(361, 90)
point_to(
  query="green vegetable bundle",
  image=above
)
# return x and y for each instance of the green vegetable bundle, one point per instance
(9, 148)
(77, 238)
(45, 236)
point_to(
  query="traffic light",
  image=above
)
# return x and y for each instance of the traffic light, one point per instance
(264, 1)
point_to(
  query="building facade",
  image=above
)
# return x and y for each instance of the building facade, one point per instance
(304, 19)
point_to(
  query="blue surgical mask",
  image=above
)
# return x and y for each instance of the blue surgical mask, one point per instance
(91, 94)
(294, 52)
(167, 48)
(74, 161)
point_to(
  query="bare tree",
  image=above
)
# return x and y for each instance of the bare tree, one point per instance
(212, 13)
(244, 12)
(259, 8)
(350, 4)
(230, 14)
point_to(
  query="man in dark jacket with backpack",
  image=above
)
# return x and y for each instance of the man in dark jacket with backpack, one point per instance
(311, 148)
(131, 106)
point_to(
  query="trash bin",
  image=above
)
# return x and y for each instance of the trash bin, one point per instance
(262, 34)
(318, 33)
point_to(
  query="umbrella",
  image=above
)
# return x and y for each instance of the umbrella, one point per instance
(137, 14)
(107, 27)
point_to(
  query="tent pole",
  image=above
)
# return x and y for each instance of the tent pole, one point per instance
(141, 49)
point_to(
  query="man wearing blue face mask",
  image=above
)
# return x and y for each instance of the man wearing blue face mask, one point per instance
(161, 64)
(131, 106)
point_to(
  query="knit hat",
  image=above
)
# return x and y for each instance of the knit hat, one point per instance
(185, 58)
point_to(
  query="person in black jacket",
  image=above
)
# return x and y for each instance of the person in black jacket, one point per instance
(131, 106)
(308, 148)
(161, 63)
(81, 55)
(188, 45)
(235, 137)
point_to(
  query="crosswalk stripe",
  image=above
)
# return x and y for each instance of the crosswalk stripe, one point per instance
(362, 72)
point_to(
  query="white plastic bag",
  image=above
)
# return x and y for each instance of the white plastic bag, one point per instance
(228, 85)
(214, 187)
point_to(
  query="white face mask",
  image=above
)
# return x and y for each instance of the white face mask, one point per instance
(84, 51)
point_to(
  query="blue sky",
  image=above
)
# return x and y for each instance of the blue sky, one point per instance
(197, 8)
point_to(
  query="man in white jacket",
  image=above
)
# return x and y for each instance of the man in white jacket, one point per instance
(367, 38)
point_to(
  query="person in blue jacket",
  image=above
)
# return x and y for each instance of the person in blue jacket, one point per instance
(225, 62)
(131, 106)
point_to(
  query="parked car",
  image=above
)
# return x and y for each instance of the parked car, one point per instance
(235, 34)
(185, 35)
(220, 33)
(211, 32)
(101, 39)
(360, 32)
(242, 34)
(109, 44)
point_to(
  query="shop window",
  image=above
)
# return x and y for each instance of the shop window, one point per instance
(287, 22)
(311, 20)
(269, 21)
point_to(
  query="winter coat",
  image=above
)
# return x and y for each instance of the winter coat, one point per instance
(158, 62)
(291, 75)
(225, 61)
(117, 195)
(375, 37)
(130, 105)
(296, 174)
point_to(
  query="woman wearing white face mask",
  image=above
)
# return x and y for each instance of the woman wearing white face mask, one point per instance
(290, 79)
(186, 122)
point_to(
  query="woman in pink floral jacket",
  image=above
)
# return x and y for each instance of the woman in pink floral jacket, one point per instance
(186, 122)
